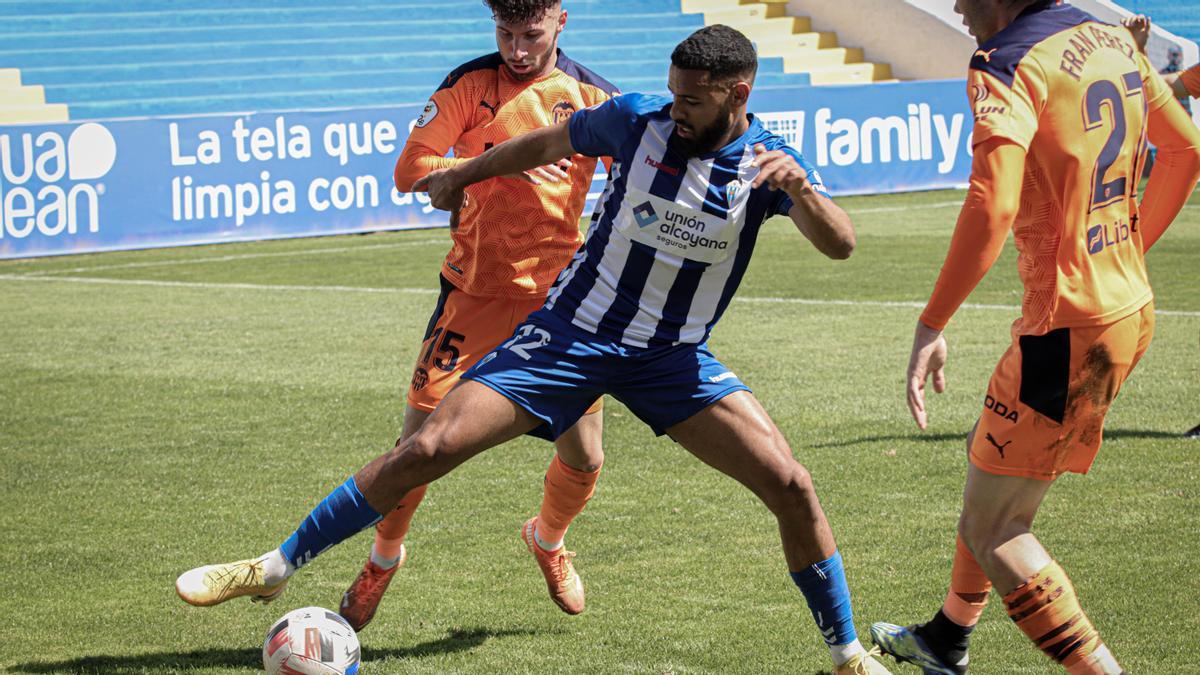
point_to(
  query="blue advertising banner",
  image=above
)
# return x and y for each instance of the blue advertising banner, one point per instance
(125, 184)
(891, 137)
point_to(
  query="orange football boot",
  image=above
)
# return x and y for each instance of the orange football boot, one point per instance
(360, 601)
(566, 588)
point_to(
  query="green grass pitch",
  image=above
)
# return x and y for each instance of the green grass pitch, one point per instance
(164, 409)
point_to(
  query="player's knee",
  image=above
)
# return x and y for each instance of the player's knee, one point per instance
(985, 533)
(790, 488)
(425, 451)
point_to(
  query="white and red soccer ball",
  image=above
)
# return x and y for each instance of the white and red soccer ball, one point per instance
(311, 641)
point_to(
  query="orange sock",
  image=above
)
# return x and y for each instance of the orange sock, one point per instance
(566, 492)
(390, 532)
(969, 588)
(1045, 609)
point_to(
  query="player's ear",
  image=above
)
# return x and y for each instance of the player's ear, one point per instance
(740, 93)
(562, 21)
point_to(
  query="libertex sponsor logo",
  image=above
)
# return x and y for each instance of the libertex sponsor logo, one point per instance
(48, 183)
(1100, 237)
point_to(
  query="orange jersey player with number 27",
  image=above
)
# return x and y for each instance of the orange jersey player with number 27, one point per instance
(510, 241)
(1064, 107)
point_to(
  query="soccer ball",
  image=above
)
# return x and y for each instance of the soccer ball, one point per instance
(311, 641)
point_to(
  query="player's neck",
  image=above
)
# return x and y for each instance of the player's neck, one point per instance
(551, 63)
(740, 125)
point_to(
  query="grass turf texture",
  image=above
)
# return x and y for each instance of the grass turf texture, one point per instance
(149, 428)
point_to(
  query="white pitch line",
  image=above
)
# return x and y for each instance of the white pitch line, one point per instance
(367, 247)
(893, 304)
(914, 207)
(219, 286)
(238, 256)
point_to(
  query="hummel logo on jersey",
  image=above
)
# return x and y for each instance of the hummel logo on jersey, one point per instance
(987, 56)
(645, 215)
(669, 170)
(722, 377)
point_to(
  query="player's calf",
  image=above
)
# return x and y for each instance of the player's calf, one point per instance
(1046, 609)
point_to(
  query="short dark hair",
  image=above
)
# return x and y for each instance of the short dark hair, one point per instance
(520, 11)
(720, 50)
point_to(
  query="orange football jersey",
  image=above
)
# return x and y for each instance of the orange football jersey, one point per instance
(513, 238)
(1075, 93)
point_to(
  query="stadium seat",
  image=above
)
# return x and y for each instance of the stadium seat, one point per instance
(20, 104)
(778, 34)
(172, 57)
(1181, 18)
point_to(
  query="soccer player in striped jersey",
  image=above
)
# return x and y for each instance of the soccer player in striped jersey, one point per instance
(692, 180)
(508, 246)
(1064, 106)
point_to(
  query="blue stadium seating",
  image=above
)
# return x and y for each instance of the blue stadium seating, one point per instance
(168, 57)
(1181, 17)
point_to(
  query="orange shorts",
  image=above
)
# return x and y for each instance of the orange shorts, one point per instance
(462, 330)
(1044, 410)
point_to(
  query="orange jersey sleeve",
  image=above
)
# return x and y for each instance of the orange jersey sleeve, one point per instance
(445, 118)
(1191, 80)
(1074, 92)
(983, 225)
(513, 238)
(1174, 176)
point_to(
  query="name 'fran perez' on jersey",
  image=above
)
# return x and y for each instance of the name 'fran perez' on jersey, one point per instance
(671, 235)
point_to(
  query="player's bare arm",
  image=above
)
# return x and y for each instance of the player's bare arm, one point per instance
(983, 225)
(537, 148)
(823, 222)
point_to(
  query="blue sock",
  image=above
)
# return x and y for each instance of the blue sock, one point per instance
(341, 515)
(824, 586)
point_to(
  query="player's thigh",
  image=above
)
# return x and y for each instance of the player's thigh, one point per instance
(470, 419)
(581, 446)
(993, 503)
(1047, 399)
(736, 436)
(550, 368)
(461, 331)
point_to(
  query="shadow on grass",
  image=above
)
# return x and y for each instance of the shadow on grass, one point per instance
(458, 640)
(1142, 433)
(916, 437)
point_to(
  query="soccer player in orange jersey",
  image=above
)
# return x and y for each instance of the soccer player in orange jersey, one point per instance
(509, 243)
(1064, 106)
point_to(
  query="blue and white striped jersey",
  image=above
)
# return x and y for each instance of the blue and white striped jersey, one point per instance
(671, 237)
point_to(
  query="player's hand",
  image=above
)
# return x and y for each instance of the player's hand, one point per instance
(445, 192)
(551, 173)
(778, 170)
(1139, 28)
(928, 358)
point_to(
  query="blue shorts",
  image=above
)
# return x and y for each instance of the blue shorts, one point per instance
(556, 370)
